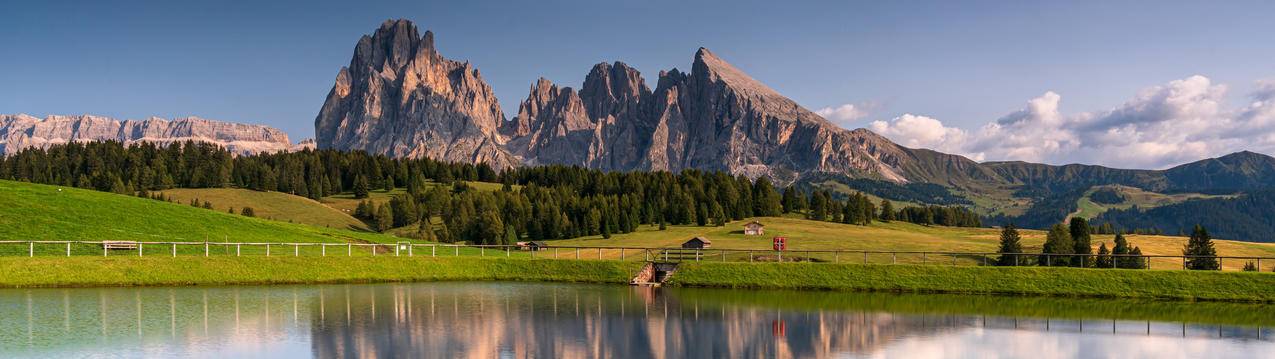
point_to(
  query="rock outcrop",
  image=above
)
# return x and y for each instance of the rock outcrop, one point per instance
(400, 97)
(21, 131)
(716, 118)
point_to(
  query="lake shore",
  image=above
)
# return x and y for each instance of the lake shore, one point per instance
(1024, 281)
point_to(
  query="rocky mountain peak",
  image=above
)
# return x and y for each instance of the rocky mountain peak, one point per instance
(18, 132)
(399, 96)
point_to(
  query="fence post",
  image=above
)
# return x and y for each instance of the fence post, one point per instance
(373, 250)
(922, 258)
(697, 255)
(139, 249)
(396, 250)
(104, 250)
(599, 253)
(750, 256)
(1015, 260)
(506, 251)
(723, 256)
(323, 250)
(1183, 262)
(68, 250)
(174, 249)
(205, 248)
(577, 252)
(236, 249)
(953, 260)
(296, 250)
(1048, 260)
(433, 250)
(31, 249)
(865, 257)
(349, 249)
(410, 249)
(267, 249)
(457, 248)
(482, 251)
(622, 254)
(894, 258)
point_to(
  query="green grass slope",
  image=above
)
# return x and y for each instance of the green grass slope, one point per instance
(270, 205)
(41, 212)
(810, 235)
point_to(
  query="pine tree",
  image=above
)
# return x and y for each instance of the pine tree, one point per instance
(1080, 238)
(1120, 252)
(384, 218)
(360, 187)
(1011, 242)
(511, 235)
(1250, 267)
(1135, 258)
(1200, 248)
(1058, 241)
(887, 211)
(1104, 257)
(248, 212)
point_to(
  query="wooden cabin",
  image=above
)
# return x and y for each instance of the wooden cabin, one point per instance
(697, 243)
(754, 228)
(531, 245)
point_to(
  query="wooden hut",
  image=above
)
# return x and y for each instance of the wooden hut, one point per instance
(531, 245)
(754, 228)
(697, 243)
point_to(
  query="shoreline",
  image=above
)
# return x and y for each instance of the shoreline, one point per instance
(1178, 285)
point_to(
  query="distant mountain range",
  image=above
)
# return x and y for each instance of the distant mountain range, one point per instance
(18, 132)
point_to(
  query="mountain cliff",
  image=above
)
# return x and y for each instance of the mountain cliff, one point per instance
(400, 97)
(715, 118)
(18, 132)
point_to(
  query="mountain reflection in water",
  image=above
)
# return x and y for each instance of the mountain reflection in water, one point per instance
(546, 320)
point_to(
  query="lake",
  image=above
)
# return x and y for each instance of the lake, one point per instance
(551, 320)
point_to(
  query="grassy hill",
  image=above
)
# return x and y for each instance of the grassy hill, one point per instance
(1088, 208)
(894, 236)
(42, 212)
(271, 205)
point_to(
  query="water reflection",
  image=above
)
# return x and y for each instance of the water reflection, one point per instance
(527, 320)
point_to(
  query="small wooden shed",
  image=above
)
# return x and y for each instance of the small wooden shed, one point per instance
(697, 243)
(531, 245)
(754, 228)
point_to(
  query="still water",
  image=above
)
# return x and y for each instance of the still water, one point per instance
(542, 320)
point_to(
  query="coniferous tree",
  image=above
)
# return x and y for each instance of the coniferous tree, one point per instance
(1081, 242)
(1104, 257)
(1136, 259)
(384, 218)
(360, 187)
(887, 211)
(1011, 244)
(1200, 250)
(248, 212)
(1121, 251)
(1057, 241)
(1250, 267)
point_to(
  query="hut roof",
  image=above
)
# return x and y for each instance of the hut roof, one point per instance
(754, 223)
(701, 239)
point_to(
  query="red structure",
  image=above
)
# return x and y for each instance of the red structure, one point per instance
(780, 243)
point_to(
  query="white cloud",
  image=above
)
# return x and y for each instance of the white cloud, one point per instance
(921, 132)
(1181, 121)
(845, 114)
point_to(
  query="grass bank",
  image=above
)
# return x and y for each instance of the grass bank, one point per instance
(1024, 281)
(160, 271)
(1033, 281)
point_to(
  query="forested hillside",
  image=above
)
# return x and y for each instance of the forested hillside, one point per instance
(1247, 217)
(551, 202)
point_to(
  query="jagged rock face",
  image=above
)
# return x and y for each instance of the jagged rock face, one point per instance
(18, 132)
(714, 118)
(598, 127)
(401, 98)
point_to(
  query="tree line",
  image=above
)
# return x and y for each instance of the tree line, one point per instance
(1071, 246)
(541, 202)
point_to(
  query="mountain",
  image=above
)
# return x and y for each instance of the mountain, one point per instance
(400, 97)
(18, 132)
(715, 117)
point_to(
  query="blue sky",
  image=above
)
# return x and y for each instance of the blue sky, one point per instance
(904, 65)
